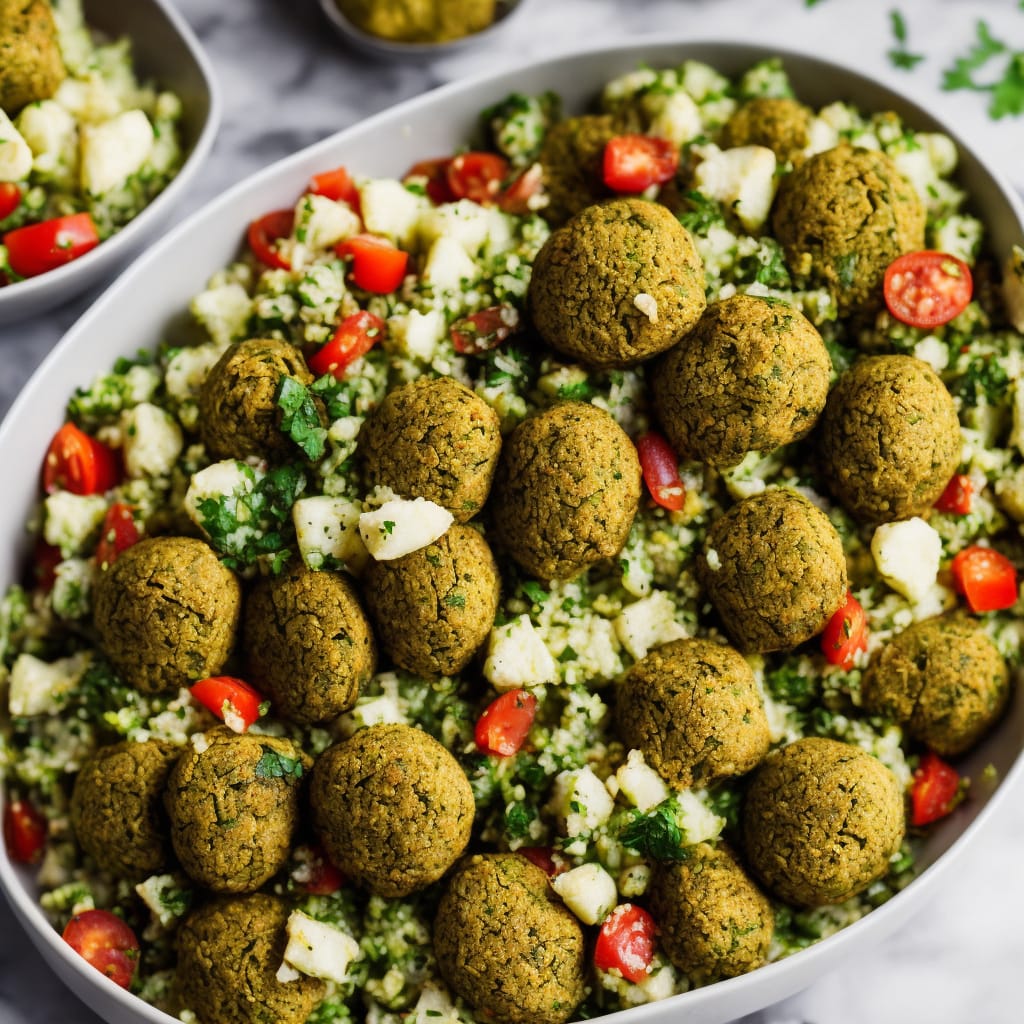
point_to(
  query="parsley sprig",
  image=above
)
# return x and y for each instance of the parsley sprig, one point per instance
(1006, 89)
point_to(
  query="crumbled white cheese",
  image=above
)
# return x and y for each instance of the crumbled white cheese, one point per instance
(391, 210)
(588, 891)
(318, 949)
(15, 152)
(907, 556)
(113, 150)
(224, 311)
(71, 520)
(648, 623)
(152, 441)
(741, 179)
(38, 687)
(639, 783)
(402, 525)
(449, 267)
(473, 226)
(647, 304)
(327, 526)
(517, 656)
(581, 799)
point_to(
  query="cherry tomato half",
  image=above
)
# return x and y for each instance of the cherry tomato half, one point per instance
(317, 874)
(483, 330)
(505, 723)
(37, 248)
(934, 791)
(845, 634)
(516, 196)
(660, 469)
(78, 462)
(106, 942)
(354, 337)
(45, 559)
(625, 942)
(477, 175)
(336, 184)
(232, 700)
(956, 498)
(25, 831)
(10, 198)
(265, 232)
(545, 858)
(119, 532)
(927, 288)
(986, 578)
(377, 265)
(635, 162)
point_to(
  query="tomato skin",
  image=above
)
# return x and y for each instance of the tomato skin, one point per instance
(106, 942)
(986, 578)
(927, 288)
(633, 163)
(505, 723)
(935, 790)
(477, 175)
(516, 196)
(243, 701)
(435, 171)
(119, 533)
(25, 832)
(79, 463)
(483, 330)
(45, 559)
(321, 876)
(956, 498)
(545, 858)
(354, 337)
(845, 634)
(625, 942)
(377, 265)
(263, 234)
(36, 248)
(660, 469)
(336, 184)
(10, 198)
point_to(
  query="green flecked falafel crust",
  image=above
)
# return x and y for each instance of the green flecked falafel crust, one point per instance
(31, 65)
(779, 123)
(751, 376)
(229, 953)
(713, 921)
(566, 491)
(821, 820)
(506, 945)
(693, 708)
(618, 284)
(943, 679)
(166, 612)
(392, 807)
(433, 438)
(420, 21)
(889, 438)
(571, 160)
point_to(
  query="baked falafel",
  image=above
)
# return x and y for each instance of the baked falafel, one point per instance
(420, 21)
(572, 160)
(779, 123)
(31, 65)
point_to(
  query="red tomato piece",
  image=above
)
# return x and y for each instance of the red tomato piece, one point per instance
(956, 498)
(46, 558)
(354, 337)
(319, 875)
(232, 700)
(435, 172)
(477, 175)
(660, 469)
(486, 329)
(78, 462)
(516, 196)
(927, 288)
(503, 727)
(25, 831)
(10, 198)
(845, 634)
(635, 162)
(119, 532)
(265, 232)
(935, 790)
(337, 185)
(986, 578)
(377, 265)
(37, 248)
(625, 942)
(545, 858)
(106, 942)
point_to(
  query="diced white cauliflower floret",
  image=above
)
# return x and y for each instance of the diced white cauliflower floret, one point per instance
(628, 85)
(673, 116)
(15, 152)
(933, 352)
(588, 891)
(741, 179)
(434, 1006)
(152, 441)
(327, 526)
(390, 209)
(215, 481)
(113, 150)
(907, 556)
(188, 367)
(38, 687)
(154, 892)
(402, 525)
(1013, 287)
(449, 267)
(581, 799)
(319, 223)
(700, 823)
(960, 235)
(648, 623)
(71, 520)
(90, 99)
(51, 134)
(473, 226)
(416, 333)
(319, 949)
(701, 80)
(820, 136)
(639, 783)
(941, 151)
(517, 656)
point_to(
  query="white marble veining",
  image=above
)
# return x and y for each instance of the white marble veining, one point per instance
(288, 81)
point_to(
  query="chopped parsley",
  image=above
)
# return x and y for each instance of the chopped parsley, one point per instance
(300, 419)
(1006, 88)
(703, 213)
(656, 834)
(275, 765)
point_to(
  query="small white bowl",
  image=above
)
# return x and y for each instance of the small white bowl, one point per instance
(165, 51)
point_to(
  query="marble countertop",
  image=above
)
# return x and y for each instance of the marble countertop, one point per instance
(287, 81)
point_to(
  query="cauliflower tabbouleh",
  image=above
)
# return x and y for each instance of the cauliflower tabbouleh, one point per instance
(606, 615)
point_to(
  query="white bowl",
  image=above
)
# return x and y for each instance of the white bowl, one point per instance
(165, 50)
(155, 291)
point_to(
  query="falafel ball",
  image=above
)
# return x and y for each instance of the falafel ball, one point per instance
(521, 962)
(433, 438)
(392, 807)
(308, 643)
(229, 953)
(619, 283)
(713, 921)
(238, 411)
(572, 160)
(434, 607)
(233, 802)
(779, 123)
(842, 216)
(752, 376)
(166, 612)
(117, 811)
(566, 491)
(420, 21)
(821, 819)
(889, 438)
(692, 707)
(31, 65)
(774, 568)
(943, 679)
